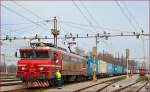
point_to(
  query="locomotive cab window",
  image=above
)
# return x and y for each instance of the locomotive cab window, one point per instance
(41, 54)
(26, 54)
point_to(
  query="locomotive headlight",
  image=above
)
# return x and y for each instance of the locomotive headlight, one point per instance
(23, 68)
(41, 68)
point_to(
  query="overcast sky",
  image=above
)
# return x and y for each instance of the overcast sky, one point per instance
(17, 20)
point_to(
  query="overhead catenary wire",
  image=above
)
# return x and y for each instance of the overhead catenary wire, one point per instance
(19, 29)
(82, 13)
(66, 40)
(88, 26)
(64, 30)
(77, 27)
(91, 16)
(31, 30)
(28, 10)
(11, 10)
(109, 46)
(131, 15)
(22, 23)
(127, 17)
(22, 31)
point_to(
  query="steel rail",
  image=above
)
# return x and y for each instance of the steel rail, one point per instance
(81, 89)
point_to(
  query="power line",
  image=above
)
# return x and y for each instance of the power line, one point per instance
(83, 15)
(124, 13)
(134, 19)
(11, 10)
(88, 26)
(62, 28)
(28, 10)
(77, 27)
(16, 24)
(19, 29)
(30, 31)
(91, 16)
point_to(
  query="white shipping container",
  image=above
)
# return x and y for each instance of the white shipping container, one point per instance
(103, 66)
(98, 66)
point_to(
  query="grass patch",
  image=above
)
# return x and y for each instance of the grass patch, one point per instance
(142, 78)
(121, 78)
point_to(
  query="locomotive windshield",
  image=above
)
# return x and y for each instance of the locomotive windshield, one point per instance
(41, 54)
(26, 54)
(36, 54)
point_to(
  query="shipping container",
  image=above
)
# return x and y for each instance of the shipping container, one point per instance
(109, 68)
(90, 62)
(103, 67)
(115, 70)
(98, 67)
(124, 70)
(119, 69)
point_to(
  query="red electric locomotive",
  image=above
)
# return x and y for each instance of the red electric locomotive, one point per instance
(38, 63)
(142, 71)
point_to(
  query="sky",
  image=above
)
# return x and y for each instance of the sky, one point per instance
(27, 18)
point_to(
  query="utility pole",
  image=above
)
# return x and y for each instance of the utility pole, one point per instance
(127, 58)
(55, 32)
(95, 58)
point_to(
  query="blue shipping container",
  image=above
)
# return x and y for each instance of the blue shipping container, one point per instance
(115, 69)
(109, 68)
(90, 62)
(119, 69)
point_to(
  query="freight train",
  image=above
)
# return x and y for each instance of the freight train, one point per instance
(38, 63)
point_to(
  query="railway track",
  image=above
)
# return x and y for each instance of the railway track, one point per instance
(133, 87)
(53, 89)
(9, 82)
(140, 88)
(99, 86)
(9, 79)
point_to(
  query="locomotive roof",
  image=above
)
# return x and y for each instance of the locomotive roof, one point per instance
(53, 49)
